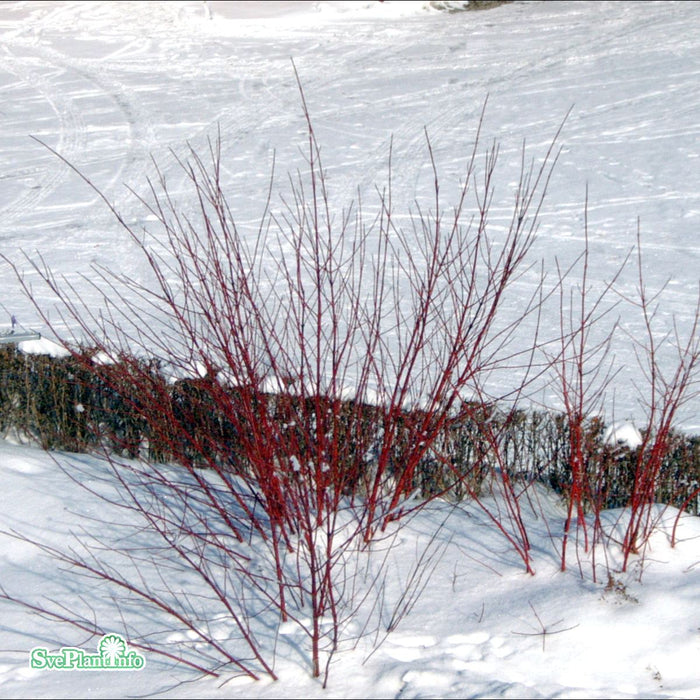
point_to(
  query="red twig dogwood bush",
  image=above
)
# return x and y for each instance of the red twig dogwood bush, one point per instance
(667, 387)
(319, 379)
(303, 373)
(583, 370)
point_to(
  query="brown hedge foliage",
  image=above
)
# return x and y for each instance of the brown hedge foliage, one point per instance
(77, 405)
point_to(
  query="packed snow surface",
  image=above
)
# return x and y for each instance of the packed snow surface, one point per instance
(115, 86)
(111, 86)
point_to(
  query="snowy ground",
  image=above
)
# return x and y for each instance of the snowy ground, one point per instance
(110, 84)
(482, 627)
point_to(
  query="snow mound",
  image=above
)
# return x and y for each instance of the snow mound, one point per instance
(623, 433)
(43, 346)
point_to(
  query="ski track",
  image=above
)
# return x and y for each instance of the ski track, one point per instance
(71, 136)
(109, 92)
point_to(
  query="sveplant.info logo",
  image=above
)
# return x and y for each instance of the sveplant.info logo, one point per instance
(113, 654)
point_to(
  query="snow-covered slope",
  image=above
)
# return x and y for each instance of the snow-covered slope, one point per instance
(481, 627)
(110, 84)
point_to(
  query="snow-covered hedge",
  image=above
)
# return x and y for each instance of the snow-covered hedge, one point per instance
(57, 403)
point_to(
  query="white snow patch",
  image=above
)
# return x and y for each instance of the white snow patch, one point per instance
(43, 346)
(623, 433)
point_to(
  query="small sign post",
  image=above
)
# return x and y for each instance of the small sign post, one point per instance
(17, 334)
